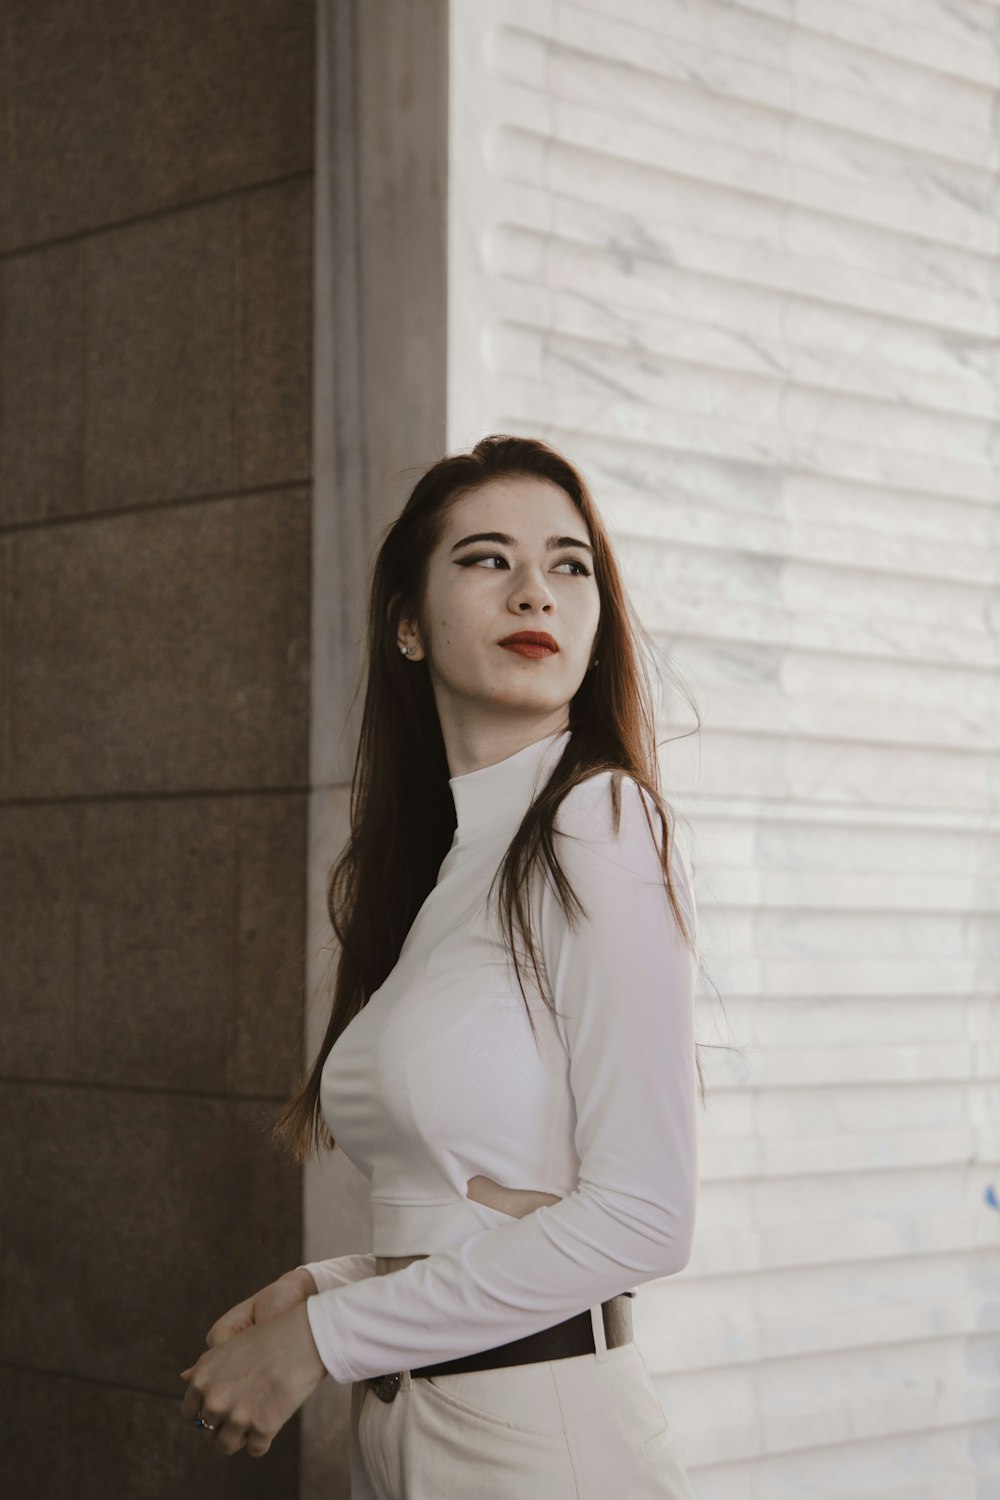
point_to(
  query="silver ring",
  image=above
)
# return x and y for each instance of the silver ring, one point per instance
(200, 1422)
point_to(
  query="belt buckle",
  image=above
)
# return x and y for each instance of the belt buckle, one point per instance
(385, 1386)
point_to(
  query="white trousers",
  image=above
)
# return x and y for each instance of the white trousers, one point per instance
(589, 1427)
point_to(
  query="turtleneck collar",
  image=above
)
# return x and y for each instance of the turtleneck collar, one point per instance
(499, 795)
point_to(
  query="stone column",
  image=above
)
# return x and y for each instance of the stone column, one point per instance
(379, 339)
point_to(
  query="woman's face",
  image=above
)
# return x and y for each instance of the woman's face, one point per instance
(478, 592)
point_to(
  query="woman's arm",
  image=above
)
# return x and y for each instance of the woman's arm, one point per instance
(340, 1271)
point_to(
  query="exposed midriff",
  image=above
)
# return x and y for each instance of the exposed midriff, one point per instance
(514, 1201)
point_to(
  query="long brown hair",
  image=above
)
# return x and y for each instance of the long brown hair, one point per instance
(402, 815)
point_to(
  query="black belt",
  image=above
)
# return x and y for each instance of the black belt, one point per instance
(575, 1336)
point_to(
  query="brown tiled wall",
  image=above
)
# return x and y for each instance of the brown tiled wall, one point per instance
(155, 486)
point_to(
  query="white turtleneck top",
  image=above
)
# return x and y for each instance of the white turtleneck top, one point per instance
(438, 1079)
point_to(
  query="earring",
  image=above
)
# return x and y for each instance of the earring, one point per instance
(406, 650)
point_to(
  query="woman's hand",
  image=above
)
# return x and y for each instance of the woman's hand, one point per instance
(250, 1383)
(272, 1300)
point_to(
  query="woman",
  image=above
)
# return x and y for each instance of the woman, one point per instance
(532, 1148)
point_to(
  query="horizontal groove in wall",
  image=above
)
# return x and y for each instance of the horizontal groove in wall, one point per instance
(806, 898)
(783, 523)
(14, 1081)
(88, 1381)
(729, 1257)
(918, 53)
(842, 723)
(919, 47)
(162, 794)
(573, 403)
(774, 254)
(736, 338)
(783, 537)
(653, 466)
(749, 622)
(850, 1161)
(170, 502)
(792, 399)
(789, 163)
(816, 817)
(863, 1421)
(635, 58)
(774, 581)
(607, 180)
(612, 390)
(851, 1023)
(815, 1330)
(743, 977)
(821, 384)
(168, 211)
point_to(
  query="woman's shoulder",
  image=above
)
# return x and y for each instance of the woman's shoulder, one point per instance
(588, 808)
(586, 816)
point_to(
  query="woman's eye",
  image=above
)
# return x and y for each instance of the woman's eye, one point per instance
(490, 556)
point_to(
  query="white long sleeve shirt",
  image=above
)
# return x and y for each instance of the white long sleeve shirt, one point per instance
(438, 1079)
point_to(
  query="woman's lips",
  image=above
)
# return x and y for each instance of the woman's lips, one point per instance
(528, 648)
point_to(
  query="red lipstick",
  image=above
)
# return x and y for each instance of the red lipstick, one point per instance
(534, 643)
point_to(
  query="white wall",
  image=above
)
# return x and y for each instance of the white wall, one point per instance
(740, 261)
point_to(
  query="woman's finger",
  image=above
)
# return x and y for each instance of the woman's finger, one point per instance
(231, 1437)
(191, 1402)
(212, 1423)
(219, 1333)
(232, 1322)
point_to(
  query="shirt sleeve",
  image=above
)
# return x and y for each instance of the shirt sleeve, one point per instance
(622, 980)
(340, 1271)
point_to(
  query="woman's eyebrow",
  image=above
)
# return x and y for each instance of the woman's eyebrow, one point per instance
(552, 542)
